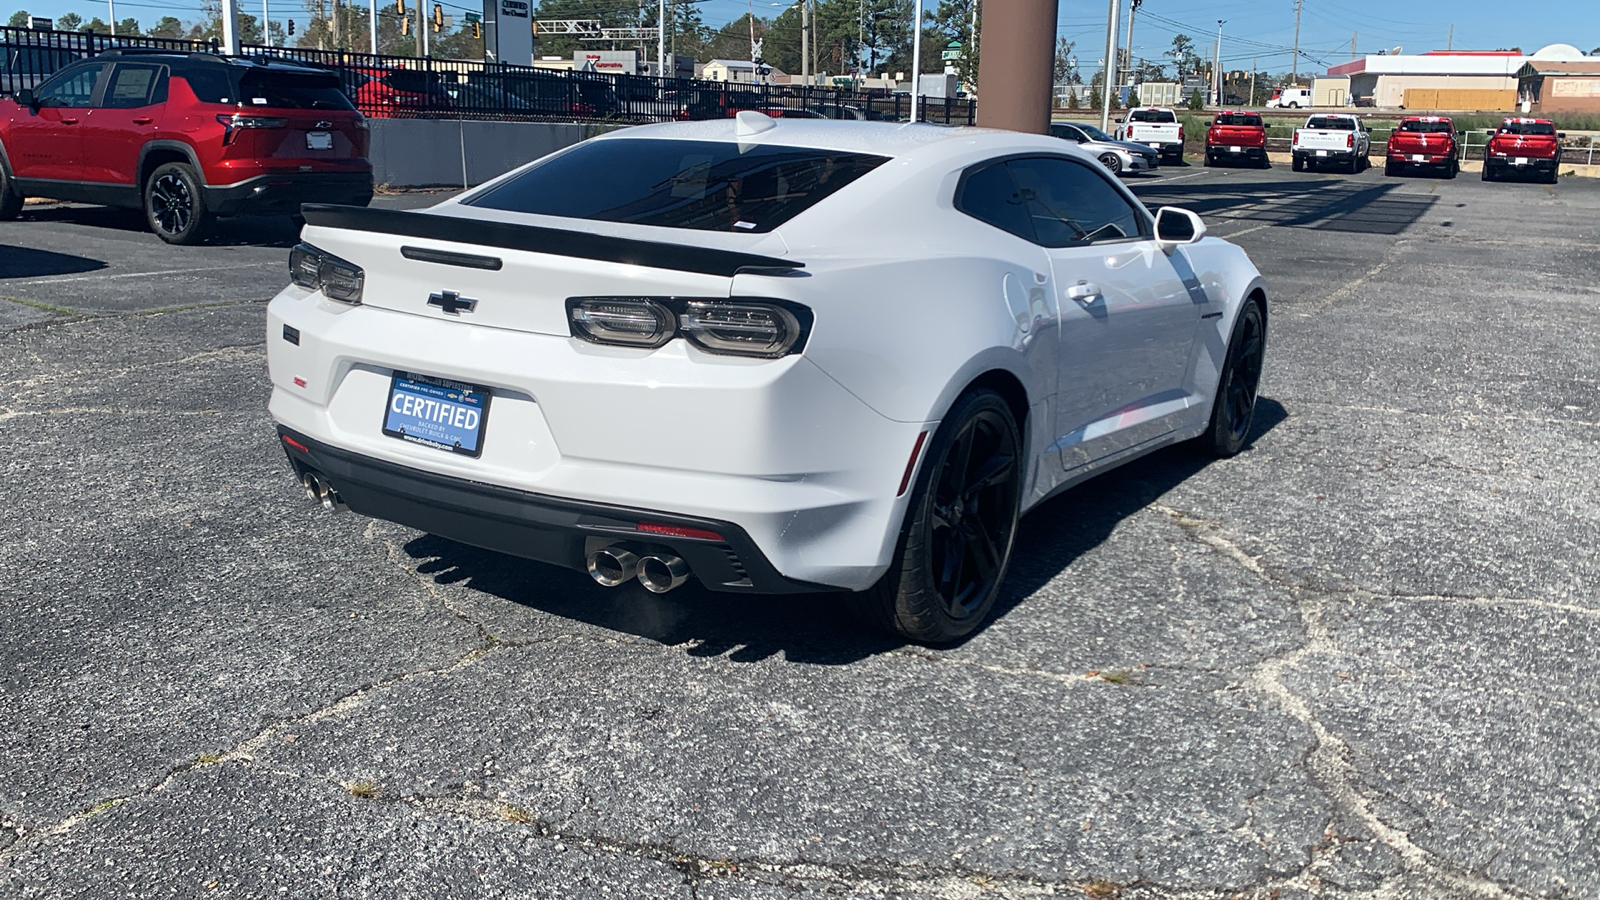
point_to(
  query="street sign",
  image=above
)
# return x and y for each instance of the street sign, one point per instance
(950, 54)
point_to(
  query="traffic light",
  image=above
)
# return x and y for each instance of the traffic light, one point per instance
(438, 18)
(400, 8)
(477, 31)
(405, 26)
(291, 26)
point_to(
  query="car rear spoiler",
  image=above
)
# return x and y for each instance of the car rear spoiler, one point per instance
(538, 239)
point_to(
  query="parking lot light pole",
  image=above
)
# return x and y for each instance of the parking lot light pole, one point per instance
(372, 11)
(1016, 65)
(916, 60)
(230, 27)
(1216, 64)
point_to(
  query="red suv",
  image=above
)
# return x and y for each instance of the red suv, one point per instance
(187, 137)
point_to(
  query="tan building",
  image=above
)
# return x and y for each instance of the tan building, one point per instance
(1545, 88)
(1446, 79)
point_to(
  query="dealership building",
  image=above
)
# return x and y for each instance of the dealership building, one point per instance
(1445, 79)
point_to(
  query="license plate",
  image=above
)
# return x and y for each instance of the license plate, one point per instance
(1156, 146)
(1322, 153)
(1418, 157)
(1235, 149)
(319, 140)
(1521, 160)
(438, 413)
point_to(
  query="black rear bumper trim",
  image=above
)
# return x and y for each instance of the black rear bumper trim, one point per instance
(552, 530)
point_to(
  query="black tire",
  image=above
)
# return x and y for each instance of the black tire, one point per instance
(1555, 174)
(1234, 408)
(955, 543)
(1485, 174)
(1112, 162)
(174, 207)
(1452, 170)
(1263, 162)
(1298, 164)
(10, 197)
(1209, 161)
(1390, 170)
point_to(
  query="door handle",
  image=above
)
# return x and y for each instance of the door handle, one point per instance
(66, 121)
(143, 120)
(1083, 292)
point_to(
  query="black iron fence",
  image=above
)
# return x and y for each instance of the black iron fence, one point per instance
(32, 56)
(384, 86)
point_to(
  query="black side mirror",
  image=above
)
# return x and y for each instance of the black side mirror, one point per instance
(1561, 135)
(25, 97)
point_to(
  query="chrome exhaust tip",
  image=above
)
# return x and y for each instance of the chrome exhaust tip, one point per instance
(612, 566)
(662, 572)
(330, 498)
(308, 480)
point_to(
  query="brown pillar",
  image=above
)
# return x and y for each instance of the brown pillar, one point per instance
(1016, 64)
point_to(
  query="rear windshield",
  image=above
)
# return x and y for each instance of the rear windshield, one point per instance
(276, 90)
(1335, 123)
(704, 185)
(1152, 115)
(1250, 119)
(412, 82)
(292, 90)
(1426, 127)
(1527, 128)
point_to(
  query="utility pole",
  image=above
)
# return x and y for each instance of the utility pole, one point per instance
(1109, 75)
(1216, 64)
(1294, 75)
(1252, 83)
(1450, 42)
(372, 17)
(230, 27)
(1353, 36)
(1015, 67)
(1133, 7)
(661, 40)
(805, 35)
(422, 26)
(916, 60)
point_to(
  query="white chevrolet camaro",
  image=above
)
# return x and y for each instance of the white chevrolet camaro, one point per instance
(770, 355)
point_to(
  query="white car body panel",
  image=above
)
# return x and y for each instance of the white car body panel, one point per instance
(806, 453)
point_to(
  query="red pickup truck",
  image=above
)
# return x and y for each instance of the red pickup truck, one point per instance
(1237, 136)
(1523, 145)
(1424, 142)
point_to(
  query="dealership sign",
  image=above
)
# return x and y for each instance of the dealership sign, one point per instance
(508, 32)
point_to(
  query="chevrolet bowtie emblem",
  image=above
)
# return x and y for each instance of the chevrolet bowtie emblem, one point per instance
(451, 302)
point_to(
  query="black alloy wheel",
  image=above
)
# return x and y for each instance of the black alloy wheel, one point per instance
(956, 543)
(10, 198)
(173, 205)
(1233, 411)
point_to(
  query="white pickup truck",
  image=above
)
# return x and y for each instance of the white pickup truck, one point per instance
(1331, 139)
(1156, 127)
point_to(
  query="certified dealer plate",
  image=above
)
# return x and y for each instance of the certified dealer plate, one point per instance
(1521, 160)
(1322, 153)
(319, 140)
(1418, 157)
(438, 413)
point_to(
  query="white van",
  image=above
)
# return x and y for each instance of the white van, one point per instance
(1290, 98)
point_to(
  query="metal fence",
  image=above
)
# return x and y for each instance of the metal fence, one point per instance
(1576, 149)
(386, 86)
(32, 56)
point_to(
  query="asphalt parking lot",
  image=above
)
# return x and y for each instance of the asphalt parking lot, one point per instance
(1360, 659)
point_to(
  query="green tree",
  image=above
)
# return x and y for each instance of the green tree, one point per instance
(1183, 56)
(954, 20)
(69, 22)
(732, 41)
(129, 27)
(167, 27)
(19, 19)
(1065, 70)
(686, 30)
(96, 26)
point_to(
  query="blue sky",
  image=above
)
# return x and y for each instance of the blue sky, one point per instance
(1263, 29)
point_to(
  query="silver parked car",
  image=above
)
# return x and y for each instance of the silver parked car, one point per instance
(1118, 156)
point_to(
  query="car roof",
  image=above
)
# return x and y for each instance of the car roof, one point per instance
(892, 139)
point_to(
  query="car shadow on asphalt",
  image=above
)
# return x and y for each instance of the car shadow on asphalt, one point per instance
(235, 231)
(26, 262)
(1322, 204)
(821, 628)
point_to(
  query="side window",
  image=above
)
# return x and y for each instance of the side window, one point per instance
(134, 85)
(1071, 204)
(72, 88)
(210, 84)
(990, 195)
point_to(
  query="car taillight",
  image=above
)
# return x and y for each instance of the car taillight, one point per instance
(1180, 132)
(316, 270)
(231, 125)
(756, 328)
(1296, 141)
(1349, 140)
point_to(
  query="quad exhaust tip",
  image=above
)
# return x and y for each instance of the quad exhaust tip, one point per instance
(320, 491)
(617, 565)
(662, 572)
(613, 566)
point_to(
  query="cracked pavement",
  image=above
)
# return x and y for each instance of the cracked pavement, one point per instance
(1360, 659)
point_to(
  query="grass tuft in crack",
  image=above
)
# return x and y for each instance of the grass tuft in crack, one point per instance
(366, 790)
(516, 814)
(102, 806)
(1101, 889)
(206, 759)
